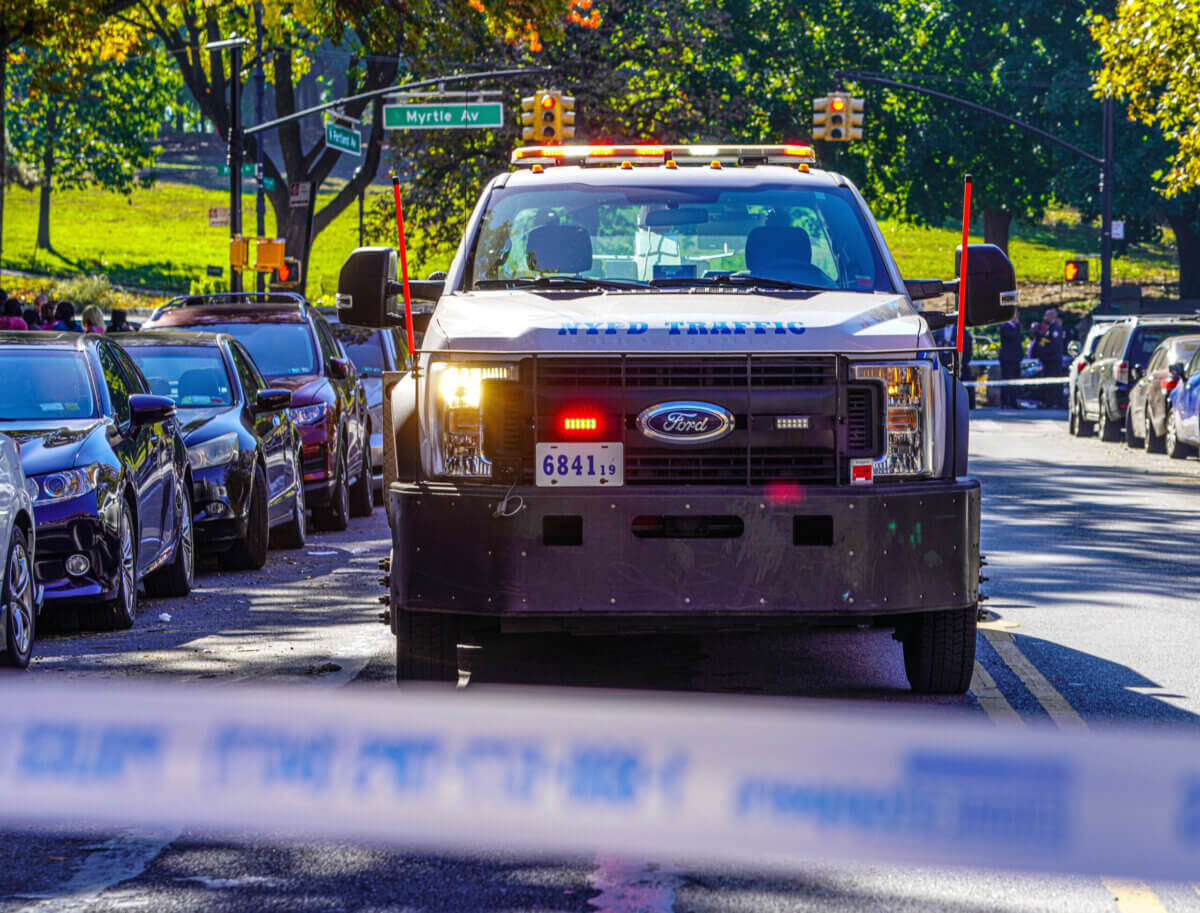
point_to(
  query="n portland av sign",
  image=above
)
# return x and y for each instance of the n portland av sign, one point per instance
(455, 115)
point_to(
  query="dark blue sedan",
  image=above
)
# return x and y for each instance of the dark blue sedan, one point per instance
(107, 469)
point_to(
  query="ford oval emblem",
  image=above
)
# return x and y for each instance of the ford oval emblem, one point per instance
(685, 422)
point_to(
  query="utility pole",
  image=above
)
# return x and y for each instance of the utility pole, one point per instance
(260, 203)
(1106, 192)
(234, 44)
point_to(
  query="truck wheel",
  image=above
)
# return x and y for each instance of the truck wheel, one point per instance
(939, 650)
(426, 647)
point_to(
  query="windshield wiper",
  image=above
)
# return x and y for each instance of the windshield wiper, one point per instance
(561, 282)
(739, 280)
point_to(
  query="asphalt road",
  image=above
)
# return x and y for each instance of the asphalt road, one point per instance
(1092, 561)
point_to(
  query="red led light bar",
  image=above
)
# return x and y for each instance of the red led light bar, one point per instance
(579, 423)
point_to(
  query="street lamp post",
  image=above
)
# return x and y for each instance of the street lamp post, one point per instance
(234, 44)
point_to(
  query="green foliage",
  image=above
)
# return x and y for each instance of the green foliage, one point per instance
(84, 290)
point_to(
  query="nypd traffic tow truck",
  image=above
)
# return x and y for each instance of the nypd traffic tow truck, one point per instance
(676, 387)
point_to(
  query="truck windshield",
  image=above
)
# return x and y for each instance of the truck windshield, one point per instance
(677, 236)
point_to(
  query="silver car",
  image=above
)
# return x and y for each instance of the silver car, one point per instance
(20, 599)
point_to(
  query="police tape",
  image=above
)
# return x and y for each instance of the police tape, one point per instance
(1016, 382)
(765, 782)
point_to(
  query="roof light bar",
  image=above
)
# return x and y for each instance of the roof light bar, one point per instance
(657, 155)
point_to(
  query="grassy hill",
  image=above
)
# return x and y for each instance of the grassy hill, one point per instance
(160, 239)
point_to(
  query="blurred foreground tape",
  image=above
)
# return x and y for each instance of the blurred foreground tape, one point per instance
(736, 780)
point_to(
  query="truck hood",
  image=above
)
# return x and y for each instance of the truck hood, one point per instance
(519, 321)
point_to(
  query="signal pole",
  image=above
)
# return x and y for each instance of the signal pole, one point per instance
(260, 206)
(1106, 193)
(235, 45)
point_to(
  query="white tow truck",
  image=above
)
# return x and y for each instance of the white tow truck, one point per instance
(677, 387)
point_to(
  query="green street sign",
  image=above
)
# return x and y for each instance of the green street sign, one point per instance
(247, 170)
(268, 183)
(343, 139)
(442, 116)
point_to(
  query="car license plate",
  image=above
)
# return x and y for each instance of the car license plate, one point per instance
(580, 464)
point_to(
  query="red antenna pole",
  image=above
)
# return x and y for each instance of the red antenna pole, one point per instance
(408, 324)
(962, 268)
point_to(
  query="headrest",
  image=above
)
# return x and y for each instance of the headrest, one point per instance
(768, 245)
(559, 249)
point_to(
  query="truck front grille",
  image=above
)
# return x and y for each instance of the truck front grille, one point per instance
(647, 372)
(729, 466)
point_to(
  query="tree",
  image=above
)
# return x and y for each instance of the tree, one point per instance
(90, 125)
(73, 27)
(375, 34)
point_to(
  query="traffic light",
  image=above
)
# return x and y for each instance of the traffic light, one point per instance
(550, 110)
(856, 119)
(529, 105)
(1076, 271)
(566, 117)
(287, 275)
(820, 123)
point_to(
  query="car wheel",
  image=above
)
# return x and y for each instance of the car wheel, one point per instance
(426, 647)
(939, 650)
(1176, 449)
(250, 552)
(1131, 437)
(176, 578)
(1153, 442)
(119, 612)
(361, 500)
(18, 597)
(1083, 428)
(1110, 429)
(336, 516)
(294, 533)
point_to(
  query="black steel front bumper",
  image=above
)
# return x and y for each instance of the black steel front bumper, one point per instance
(685, 553)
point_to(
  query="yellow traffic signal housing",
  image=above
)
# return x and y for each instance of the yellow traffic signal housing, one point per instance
(529, 106)
(820, 118)
(550, 108)
(566, 117)
(856, 119)
(837, 129)
(269, 255)
(239, 253)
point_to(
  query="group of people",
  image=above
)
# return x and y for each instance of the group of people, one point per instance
(1048, 344)
(45, 314)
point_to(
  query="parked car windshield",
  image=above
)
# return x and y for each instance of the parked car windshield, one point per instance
(364, 348)
(678, 236)
(45, 384)
(193, 376)
(279, 349)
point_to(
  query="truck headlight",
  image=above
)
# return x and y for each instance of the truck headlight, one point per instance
(909, 422)
(459, 430)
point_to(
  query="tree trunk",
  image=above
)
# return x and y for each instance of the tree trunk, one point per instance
(43, 230)
(1187, 243)
(996, 223)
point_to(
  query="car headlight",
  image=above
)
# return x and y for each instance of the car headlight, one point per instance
(217, 452)
(308, 415)
(459, 430)
(63, 485)
(909, 422)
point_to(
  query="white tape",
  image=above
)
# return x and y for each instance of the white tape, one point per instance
(1024, 382)
(741, 780)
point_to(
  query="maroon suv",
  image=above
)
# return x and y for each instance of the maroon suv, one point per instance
(295, 348)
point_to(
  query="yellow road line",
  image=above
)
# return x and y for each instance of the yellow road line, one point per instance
(991, 698)
(1133, 896)
(1063, 714)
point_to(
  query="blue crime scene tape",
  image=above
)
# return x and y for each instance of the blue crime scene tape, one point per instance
(761, 782)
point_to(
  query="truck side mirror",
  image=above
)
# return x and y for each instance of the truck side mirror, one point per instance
(367, 288)
(1073, 348)
(991, 284)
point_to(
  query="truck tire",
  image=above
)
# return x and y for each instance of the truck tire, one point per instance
(426, 647)
(939, 650)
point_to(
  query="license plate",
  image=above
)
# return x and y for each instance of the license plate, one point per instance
(580, 465)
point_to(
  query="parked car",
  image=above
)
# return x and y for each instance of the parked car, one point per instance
(246, 453)
(1102, 388)
(373, 352)
(1150, 398)
(1079, 357)
(294, 347)
(20, 595)
(1182, 437)
(107, 469)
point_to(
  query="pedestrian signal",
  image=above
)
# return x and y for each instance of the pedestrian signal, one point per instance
(287, 275)
(1076, 271)
(239, 254)
(269, 254)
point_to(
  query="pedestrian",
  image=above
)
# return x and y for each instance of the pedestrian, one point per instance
(93, 319)
(12, 319)
(1011, 351)
(64, 318)
(43, 303)
(32, 318)
(1050, 348)
(119, 323)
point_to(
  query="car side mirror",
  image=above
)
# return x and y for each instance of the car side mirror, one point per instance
(339, 368)
(1073, 347)
(1177, 370)
(991, 284)
(272, 400)
(148, 409)
(1137, 372)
